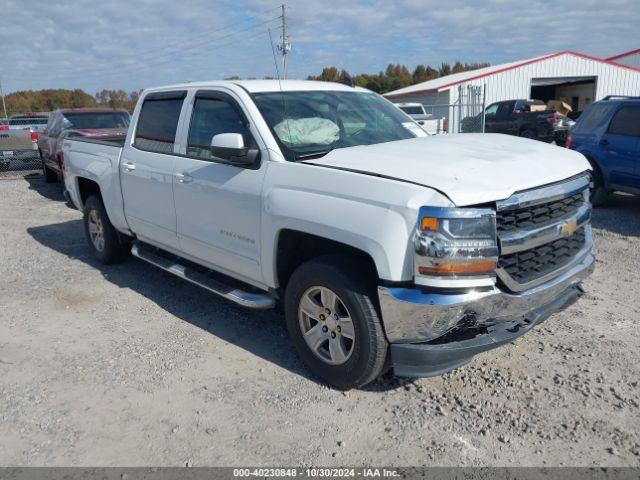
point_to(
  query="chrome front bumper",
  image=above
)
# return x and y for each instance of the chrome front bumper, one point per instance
(417, 316)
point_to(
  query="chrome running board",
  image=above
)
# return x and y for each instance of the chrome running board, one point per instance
(246, 299)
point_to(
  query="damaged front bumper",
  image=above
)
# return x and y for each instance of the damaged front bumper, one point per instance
(433, 332)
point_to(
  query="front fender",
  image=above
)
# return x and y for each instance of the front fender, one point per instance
(371, 214)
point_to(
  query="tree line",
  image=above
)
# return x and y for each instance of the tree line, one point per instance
(395, 76)
(52, 99)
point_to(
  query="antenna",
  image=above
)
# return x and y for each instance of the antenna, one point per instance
(285, 44)
(4, 106)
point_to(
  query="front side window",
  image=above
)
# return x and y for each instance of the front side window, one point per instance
(504, 110)
(157, 124)
(491, 110)
(311, 123)
(626, 122)
(210, 117)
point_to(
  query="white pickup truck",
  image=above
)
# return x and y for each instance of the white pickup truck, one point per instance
(386, 247)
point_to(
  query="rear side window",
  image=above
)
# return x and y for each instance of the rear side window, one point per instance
(158, 122)
(591, 117)
(212, 116)
(626, 121)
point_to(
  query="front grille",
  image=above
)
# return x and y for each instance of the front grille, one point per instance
(532, 264)
(538, 215)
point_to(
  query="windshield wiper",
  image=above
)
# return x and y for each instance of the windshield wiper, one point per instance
(307, 156)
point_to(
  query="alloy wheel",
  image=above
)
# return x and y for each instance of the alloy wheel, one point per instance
(326, 325)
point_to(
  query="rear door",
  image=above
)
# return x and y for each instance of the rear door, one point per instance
(619, 145)
(146, 170)
(218, 205)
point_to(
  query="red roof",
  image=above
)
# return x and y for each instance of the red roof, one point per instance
(518, 65)
(625, 54)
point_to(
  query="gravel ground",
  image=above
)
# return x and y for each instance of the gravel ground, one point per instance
(127, 365)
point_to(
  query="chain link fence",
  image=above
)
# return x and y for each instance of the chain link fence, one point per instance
(16, 163)
(466, 115)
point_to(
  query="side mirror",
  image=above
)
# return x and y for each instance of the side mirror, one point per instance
(230, 146)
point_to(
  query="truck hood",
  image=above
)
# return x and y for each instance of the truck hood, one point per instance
(468, 168)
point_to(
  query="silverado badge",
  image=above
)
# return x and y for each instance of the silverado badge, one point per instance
(569, 227)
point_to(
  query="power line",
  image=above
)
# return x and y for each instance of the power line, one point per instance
(165, 56)
(108, 70)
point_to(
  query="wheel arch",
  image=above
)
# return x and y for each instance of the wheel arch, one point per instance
(295, 247)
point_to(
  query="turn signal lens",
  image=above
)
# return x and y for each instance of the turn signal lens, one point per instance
(444, 269)
(429, 223)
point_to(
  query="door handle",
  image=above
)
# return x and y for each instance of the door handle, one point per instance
(129, 167)
(184, 178)
(604, 141)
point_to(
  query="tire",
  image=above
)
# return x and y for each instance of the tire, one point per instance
(600, 194)
(528, 133)
(49, 175)
(350, 363)
(105, 243)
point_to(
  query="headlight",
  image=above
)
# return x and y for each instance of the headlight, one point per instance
(454, 243)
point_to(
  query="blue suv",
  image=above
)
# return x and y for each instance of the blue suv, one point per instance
(608, 134)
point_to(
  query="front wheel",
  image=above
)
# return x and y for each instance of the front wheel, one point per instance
(528, 133)
(333, 324)
(104, 241)
(49, 175)
(599, 194)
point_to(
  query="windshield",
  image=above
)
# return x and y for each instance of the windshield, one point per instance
(96, 120)
(412, 110)
(316, 122)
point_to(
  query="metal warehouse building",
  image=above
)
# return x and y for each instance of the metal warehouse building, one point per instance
(575, 78)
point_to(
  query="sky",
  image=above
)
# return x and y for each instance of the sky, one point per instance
(133, 44)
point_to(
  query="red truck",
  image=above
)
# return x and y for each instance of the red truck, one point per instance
(98, 123)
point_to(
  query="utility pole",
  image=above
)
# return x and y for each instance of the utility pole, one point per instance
(4, 106)
(285, 46)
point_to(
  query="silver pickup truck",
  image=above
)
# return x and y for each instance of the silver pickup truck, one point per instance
(17, 145)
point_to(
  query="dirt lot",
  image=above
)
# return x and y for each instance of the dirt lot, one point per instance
(126, 365)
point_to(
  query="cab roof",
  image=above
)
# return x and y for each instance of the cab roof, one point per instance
(257, 86)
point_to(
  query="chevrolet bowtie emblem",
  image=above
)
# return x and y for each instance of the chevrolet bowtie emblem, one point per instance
(569, 227)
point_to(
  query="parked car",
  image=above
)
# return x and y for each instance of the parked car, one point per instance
(608, 135)
(99, 123)
(517, 117)
(432, 124)
(386, 247)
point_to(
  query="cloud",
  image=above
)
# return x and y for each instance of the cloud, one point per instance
(131, 45)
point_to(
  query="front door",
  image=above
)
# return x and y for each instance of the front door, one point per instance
(619, 146)
(490, 118)
(147, 170)
(218, 204)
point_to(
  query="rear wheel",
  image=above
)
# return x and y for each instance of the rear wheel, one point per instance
(107, 246)
(333, 324)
